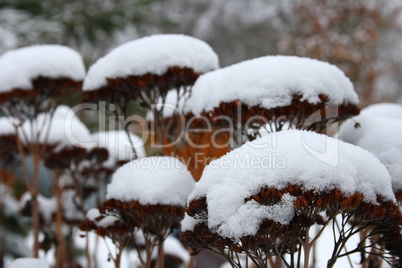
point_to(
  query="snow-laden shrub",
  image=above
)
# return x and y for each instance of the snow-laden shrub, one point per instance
(147, 195)
(264, 198)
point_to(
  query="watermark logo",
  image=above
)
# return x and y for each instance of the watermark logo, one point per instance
(166, 127)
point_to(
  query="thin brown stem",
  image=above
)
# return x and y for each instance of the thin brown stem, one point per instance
(160, 262)
(60, 246)
(22, 159)
(191, 262)
(35, 203)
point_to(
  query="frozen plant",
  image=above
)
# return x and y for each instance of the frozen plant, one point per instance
(35, 80)
(378, 130)
(273, 209)
(147, 195)
(273, 93)
(78, 174)
(145, 70)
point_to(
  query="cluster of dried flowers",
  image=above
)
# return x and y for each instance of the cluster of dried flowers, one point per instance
(278, 216)
(381, 222)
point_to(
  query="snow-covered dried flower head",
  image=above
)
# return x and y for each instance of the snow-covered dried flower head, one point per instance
(278, 91)
(162, 62)
(280, 185)
(147, 194)
(378, 130)
(152, 180)
(49, 71)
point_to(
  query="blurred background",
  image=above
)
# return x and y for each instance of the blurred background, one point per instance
(362, 37)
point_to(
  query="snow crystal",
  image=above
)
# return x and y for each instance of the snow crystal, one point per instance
(20, 66)
(379, 131)
(119, 146)
(277, 160)
(153, 54)
(152, 180)
(271, 81)
(28, 262)
(251, 216)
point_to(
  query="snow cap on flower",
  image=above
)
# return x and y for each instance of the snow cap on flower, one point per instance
(20, 66)
(153, 55)
(270, 82)
(152, 180)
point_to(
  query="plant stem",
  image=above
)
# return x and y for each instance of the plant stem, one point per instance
(22, 159)
(60, 246)
(35, 203)
(160, 262)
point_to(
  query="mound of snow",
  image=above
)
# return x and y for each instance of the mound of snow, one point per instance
(20, 66)
(378, 129)
(277, 160)
(271, 82)
(153, 54)
(391, 110)
(152, 180)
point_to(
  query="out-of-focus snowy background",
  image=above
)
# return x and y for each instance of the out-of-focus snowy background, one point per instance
(361, 37)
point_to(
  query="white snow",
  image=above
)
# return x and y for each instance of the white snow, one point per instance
(173, 247)
(188, 223)
(6, 126)
(271, 81)
(152, 180)
(107, 221)
(379, 131)
(47, 206)
(391, 110)
(58, 129)
(277, 160)
(92, 214)
(28, 262)
(119, 146)
(130, 258)
(153, 54)
(69, 202)
(20, 66)
(12, 77)
(104, 222)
